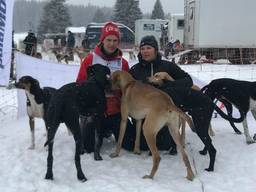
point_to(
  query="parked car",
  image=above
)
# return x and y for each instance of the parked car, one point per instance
(93, 31)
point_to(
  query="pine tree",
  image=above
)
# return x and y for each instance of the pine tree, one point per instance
(55, 18)
(157, 12)
(126, 12)
(99, 16)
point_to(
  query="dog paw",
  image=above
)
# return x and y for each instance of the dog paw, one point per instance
(32, 147)
(250, 141)
(113, 155)
(173, 151)
(49, 176)
(81, 177)
(190, 178)
(137, 151)
(209, 169)
(190, 175)
(97, 158)
(147, 177)
(203, 152)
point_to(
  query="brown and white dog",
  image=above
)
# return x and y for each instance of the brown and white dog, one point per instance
(37, 101)
(143, 101)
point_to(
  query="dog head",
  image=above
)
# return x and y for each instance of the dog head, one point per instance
(100, 73)
(120, 79)
(28, 83)
(158, 78)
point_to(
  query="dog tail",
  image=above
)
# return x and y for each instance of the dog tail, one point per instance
(186, 118)
(228, 117)
(212, 95)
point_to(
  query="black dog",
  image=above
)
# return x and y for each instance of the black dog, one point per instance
(242, 94)
(37, 101)
(72, 100)
(199, 107)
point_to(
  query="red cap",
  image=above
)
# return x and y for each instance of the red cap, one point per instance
(110, 28)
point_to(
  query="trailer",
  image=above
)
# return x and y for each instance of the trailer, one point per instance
(153, 27)
(164, 30)
(176, 27)
(220, 24)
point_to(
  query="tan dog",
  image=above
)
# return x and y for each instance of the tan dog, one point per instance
(142, 101)
(158, 79)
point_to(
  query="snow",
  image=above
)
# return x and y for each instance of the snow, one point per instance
(76, 29)
(24, 170)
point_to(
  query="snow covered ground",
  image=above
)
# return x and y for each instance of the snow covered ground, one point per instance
(24, 170)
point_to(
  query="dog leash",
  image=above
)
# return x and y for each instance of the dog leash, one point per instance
(194, 165)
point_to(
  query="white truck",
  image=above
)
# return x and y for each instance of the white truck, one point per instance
(220, 24)
(173, 27)
(145, 27)
(176, 27)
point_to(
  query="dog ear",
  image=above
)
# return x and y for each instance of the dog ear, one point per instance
(36, 91)
(90, 71)
(34, 85)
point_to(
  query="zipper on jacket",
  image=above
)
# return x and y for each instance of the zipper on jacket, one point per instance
(152, 70)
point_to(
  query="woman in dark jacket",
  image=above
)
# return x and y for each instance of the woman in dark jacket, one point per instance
(150, 62)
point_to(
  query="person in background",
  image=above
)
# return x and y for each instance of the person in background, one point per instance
(107, 53)
(85, 42)
(150, 62)
(70, 45)
(70, 40)
(30, 42)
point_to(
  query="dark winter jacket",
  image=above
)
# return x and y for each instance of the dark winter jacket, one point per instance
(144, 69)
(30, 41)
(71, 40)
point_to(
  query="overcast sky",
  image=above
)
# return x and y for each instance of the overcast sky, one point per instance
(169, 6)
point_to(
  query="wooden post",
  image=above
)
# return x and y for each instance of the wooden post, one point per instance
(226, 53)
(241, 55)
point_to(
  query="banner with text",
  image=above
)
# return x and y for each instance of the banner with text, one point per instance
(6, 14)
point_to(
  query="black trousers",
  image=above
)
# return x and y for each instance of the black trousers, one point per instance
(111, 125)
(164, 140)
(108, 125)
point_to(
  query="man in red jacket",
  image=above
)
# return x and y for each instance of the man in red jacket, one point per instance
(107, 53)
